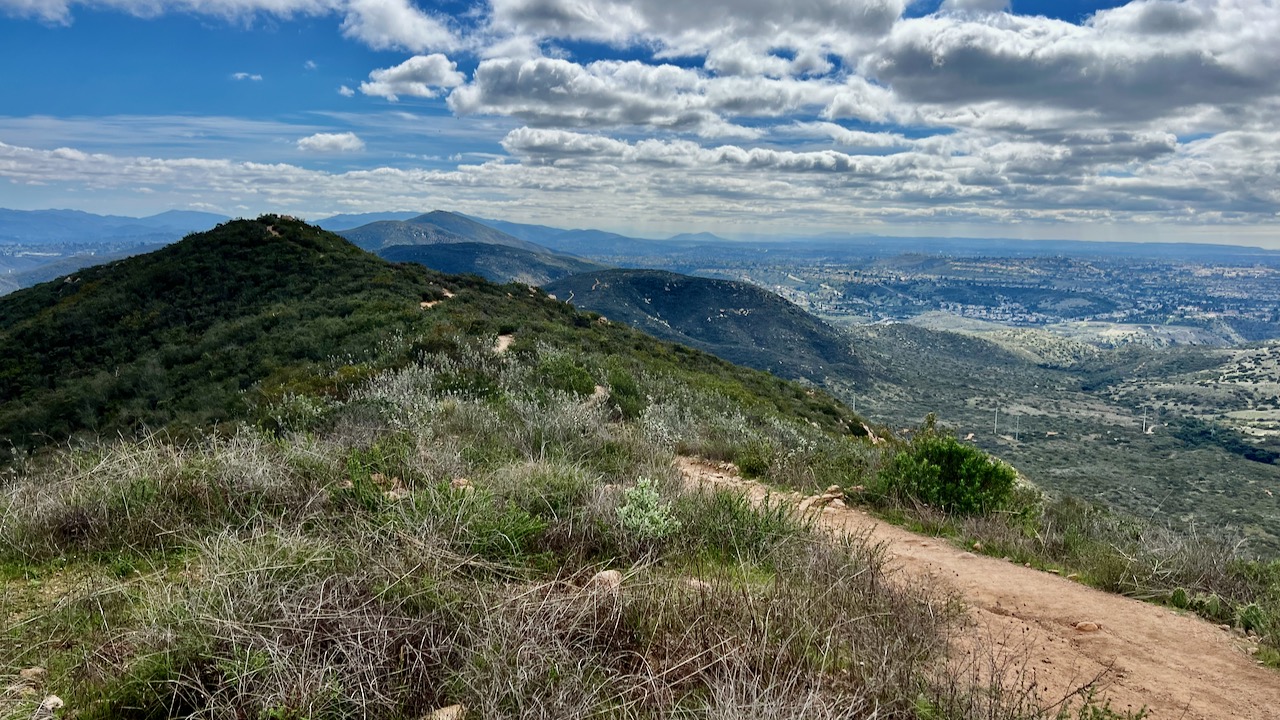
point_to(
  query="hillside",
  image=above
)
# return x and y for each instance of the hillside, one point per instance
(736, 321)
(390, 493)
(1162, 434)
(433, 228)
(497, 263)
(251, 311)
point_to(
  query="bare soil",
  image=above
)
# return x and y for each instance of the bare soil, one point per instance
(1175, 664)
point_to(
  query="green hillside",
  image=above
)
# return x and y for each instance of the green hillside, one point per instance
(497, 263)
(386, 492)
(205, 331)
(736, 321)
(433, 228)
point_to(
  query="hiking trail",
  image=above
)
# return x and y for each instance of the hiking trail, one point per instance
(1174, 663)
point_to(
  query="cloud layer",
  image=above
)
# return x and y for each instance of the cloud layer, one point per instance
(1153, 111)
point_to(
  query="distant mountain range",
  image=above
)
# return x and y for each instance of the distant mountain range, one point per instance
(35, 227)
(433, 228)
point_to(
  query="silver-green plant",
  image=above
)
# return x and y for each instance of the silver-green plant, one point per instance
(643, 513)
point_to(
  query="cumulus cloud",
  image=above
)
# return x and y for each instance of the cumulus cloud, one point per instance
(331, 143)
(563, 173)
(396, 25)
(419, 76)
(683, 27)
(380, 24)
(604, 94)
(1141, 62)
(345, 91)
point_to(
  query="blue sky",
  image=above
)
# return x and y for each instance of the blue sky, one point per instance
(1149, 120)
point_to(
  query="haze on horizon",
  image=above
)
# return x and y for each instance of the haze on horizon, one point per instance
(1153, 120)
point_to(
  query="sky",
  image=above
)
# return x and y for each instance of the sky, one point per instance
(1152, 120)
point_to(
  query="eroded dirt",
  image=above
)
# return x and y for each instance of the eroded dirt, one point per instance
(1175, 664)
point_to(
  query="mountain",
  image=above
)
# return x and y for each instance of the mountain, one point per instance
(217, 327)
(498, 263)
(73, 226)
(348, 221)
(432, 228)
(739, 322)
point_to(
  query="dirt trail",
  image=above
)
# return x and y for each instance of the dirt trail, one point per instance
(1177, 665)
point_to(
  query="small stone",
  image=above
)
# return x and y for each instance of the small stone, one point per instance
(833, 490)
(924, 544)
(34, 674)
(453, 712)
(1087, 626)
(1073, 576)
(610, 580)
(1026, 565)
(837, 503)
(460, 484)
(1224, 627)
(1046, 661)
(48, 707)
(977, 547)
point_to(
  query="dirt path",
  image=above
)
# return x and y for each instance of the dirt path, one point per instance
(1175, 664)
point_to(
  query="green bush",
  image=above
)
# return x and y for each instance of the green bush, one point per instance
(644, 514)
(938, 470)
(561, 373)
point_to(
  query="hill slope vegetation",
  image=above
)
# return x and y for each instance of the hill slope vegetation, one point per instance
(736, 321)
(498, 263)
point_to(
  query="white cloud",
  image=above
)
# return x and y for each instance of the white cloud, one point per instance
(419, 76)
(331, 143)
(246, 76)
(60, 10)
(309, 65)
(380, 24)
(1070, 183)
(396, 25)
(345, 91)
(553, 92)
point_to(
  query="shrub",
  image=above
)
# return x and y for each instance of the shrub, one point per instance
(940, 471)
(644, 514)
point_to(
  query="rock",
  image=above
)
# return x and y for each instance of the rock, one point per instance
(1054, 571)
(1073, 576)
(610, 580)
(1087, 626)
(34, 674)
(1026, 565)
(48, 707)
(20, 689)
(977, 547)
(462, 484)
(1224, 627)
(453, 712)
(837, 503)
(835, 490)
